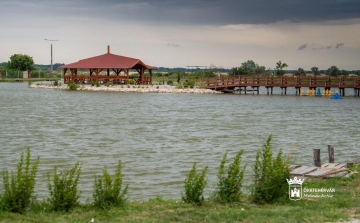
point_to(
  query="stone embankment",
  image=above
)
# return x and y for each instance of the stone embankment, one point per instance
(131, 89)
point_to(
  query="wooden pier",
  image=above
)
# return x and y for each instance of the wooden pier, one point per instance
(325, 171)
(241, 83)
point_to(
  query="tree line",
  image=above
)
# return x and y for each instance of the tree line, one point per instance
(23, 62)
(251, 68)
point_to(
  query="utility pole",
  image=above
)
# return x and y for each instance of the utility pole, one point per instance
(51, 72)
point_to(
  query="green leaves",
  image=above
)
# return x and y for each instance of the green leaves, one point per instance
(20, 62)
(270, 175)
(64, 193)
(230, 180)
(194, 186)
(107, 190)
(19, 190)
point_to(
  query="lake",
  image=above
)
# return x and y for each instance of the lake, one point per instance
(158, 137)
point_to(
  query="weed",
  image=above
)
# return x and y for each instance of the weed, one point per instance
(107, 84)
(97, 84)
(230, 180)
(64, 193)
(56, 83)
(92, 82)
(107, 190)
(72, 86)
(194, 186)
(19, 190)
(270, 175)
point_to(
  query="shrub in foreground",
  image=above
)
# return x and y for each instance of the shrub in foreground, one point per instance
(107, 190)
(230, 181)
(19, 189)
(72, 86)
(270, 175)
(63, 189)
(194, 186)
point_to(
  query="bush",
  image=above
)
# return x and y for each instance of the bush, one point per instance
(92, 82)
(18, 192)
(170, 82)
(270, 175)
(29, 83)
(230, 180)
(97, 84)
(131, 81)
(107, 84)
(56, 83)
(194, 186)
(64, 193)
(72, 86)
(107, 190)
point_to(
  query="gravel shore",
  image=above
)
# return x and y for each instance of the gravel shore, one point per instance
(131, 89)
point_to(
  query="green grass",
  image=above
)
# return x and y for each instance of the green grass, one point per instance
(343, 206)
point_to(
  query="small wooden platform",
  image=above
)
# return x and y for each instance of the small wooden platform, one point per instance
(326, 171)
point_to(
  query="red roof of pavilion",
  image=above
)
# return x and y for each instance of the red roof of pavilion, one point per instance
(108, 61)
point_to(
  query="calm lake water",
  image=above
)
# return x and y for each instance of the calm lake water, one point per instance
(158, 137)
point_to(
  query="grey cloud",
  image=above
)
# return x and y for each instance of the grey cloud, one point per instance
(301, 47)
(173, 44)
(339, 45)
(213, 12)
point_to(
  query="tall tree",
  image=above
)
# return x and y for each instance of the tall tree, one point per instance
(300, 72)
(279, 68)
(20, 62)
(315, 70)
(344, 72)
(333, 71)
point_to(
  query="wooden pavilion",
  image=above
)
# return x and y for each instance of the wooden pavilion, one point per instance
(108, 62)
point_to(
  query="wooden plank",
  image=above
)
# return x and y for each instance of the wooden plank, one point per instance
(318, 173)
(303, 170)
(343, 165)
(332, 165)
(338, 174)
(325, 165)
(294, 167)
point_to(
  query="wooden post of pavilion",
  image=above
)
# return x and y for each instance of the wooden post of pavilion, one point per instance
(142, 76)
(150, 71)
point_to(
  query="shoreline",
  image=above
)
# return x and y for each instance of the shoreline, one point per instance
(131, 89)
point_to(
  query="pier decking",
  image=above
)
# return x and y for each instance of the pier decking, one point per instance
(229, 83)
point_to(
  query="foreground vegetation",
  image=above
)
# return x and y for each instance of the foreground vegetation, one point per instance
(343, 206)
(265, 200)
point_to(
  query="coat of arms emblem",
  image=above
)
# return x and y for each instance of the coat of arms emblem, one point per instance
(295, 188)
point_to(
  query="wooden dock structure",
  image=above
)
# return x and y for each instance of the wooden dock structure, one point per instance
(240, 82)
(326, 170)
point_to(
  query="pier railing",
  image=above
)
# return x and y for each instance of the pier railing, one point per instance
(274, 81)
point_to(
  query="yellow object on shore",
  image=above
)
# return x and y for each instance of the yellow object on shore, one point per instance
(301, 92)
(307, 92)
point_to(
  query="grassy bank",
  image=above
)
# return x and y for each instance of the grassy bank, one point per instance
(343, 206)
(28, 80)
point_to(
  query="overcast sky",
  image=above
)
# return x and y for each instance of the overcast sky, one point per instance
(178, 33)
